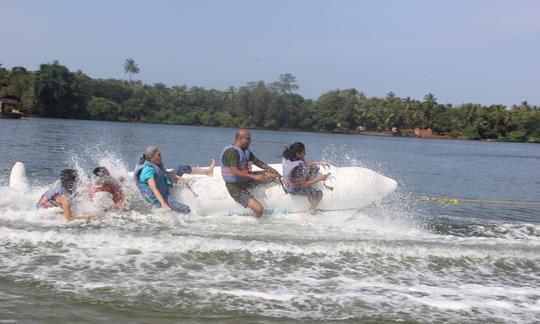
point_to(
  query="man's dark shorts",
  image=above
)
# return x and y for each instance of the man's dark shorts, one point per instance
(240, 192)
(310, 192)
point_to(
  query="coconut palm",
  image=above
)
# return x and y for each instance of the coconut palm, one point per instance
(428, 106)
(131, 67)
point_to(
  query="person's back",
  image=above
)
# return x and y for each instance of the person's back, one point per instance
(298, 177)
(104, 191)
(148, 169)
(155, 182)
(47, 199)
(61, 194)
(292, 171)
(64, 187)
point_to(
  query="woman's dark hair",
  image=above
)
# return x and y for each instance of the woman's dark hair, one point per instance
(292, 150)
(101, 171)
(69, 179)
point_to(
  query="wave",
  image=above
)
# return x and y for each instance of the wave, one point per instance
(245, 267)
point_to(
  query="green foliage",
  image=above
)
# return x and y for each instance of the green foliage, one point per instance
(285, 85)
(56, 92)
(18, 82)
(4, 77)
(472, 133)
(103, 109)
(517, 136)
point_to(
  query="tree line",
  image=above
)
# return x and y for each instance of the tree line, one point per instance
(55, 91)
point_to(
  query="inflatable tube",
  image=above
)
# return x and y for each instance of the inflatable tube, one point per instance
(354, 188)
(17, 177)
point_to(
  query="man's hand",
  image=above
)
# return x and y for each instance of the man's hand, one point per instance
(261, 177)
(264, 176)
(323, 177)
(269, 176)
(272, 171)
(324, 165)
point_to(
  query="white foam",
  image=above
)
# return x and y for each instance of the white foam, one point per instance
(257, 294)
(253, 270)
(441, 303)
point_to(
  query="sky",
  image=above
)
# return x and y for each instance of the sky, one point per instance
(481, 51)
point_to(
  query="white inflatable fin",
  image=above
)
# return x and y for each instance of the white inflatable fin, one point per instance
(17, 178)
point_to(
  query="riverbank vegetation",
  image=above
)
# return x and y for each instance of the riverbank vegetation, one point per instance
(54, 91)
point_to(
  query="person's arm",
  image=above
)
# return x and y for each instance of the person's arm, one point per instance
(118, 205)
(303, 182)
(119, 197)
(155, 191)
(239, 173)
(265, 167)
(66, 208)
(177, 178)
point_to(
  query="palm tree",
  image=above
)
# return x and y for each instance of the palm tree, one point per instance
(409, 109)
(131, 67)
(390, 96)
(471, 111)
(498, 116)
(428, 106)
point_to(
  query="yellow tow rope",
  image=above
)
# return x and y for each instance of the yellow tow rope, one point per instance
(473, 201)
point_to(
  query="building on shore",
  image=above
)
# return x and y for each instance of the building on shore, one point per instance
(427, 133)
(10, 107)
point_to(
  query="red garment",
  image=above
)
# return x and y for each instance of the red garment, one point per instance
(105, 187)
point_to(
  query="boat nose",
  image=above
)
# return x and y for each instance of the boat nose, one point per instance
(391, 184)
(386, 184)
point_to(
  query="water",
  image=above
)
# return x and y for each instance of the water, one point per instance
(402, 260)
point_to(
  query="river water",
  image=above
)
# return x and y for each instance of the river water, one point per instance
(400, 260)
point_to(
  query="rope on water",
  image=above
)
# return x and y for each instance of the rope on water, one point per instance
(474, 201)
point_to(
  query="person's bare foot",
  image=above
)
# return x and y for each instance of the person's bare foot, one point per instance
(210, 170)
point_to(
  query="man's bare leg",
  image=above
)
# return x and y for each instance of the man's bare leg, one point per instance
(209, 171)
(255, 206)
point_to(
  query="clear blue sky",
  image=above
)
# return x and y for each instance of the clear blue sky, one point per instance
(478, 51)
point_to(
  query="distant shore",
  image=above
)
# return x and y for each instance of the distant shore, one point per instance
(54, 91)
(408, 133)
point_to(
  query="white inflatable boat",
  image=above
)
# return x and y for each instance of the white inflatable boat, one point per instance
(353, 188)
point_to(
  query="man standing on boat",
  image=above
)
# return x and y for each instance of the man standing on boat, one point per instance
(236, 170)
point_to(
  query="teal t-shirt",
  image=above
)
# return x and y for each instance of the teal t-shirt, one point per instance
(147, 172)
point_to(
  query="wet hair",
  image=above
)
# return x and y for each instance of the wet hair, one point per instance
(292, 150)
(148, 153)
(69, 179)
(101, 171)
